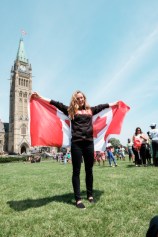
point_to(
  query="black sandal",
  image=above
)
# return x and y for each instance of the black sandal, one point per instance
(80, 205)
(91, 200)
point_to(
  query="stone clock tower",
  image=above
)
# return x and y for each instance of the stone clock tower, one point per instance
(20, 91)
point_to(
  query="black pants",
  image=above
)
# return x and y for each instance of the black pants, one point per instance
(138, 160)
(140, 155)
(82, 150)
(155, 151)
(143, 153)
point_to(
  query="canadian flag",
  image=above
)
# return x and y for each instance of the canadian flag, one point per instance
(50, 127)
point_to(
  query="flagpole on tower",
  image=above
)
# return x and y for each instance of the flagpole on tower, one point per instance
(23, 33)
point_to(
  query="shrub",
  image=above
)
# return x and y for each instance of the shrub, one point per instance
(7, 159)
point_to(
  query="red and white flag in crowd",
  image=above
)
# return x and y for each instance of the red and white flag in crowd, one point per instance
(50, 127)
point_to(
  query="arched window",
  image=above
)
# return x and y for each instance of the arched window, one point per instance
(23, 129)
(20, 118)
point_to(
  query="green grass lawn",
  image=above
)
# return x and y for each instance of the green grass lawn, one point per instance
(37, 200)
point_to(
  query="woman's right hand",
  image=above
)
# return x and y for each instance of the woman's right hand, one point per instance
(36, 95)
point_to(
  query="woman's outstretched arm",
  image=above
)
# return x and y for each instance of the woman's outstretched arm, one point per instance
(57, 104)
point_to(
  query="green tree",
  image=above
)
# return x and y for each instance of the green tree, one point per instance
(115, 142)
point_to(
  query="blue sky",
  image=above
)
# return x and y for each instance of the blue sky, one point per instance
(107, 49)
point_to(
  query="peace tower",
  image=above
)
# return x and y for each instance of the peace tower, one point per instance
(20, 91)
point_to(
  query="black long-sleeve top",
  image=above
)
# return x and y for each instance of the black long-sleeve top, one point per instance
(81, 125)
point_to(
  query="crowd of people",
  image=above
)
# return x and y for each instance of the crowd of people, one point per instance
(63, 157)
(144, 147)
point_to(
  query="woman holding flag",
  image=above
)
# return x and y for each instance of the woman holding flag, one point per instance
(82, 145)
(139, 147)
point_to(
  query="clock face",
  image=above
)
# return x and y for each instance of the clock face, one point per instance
(22, 68)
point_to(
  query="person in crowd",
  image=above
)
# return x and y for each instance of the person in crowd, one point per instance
(111, 157)
(153, 227)
(69, 157)
(82, 145)
(100, 157)
(117, 153)
(65, 159)
(97, 157)
(57, 157)
(148, 152)
(130, 150)
(103, 156)
(139, 147)
(122, 152)
(153, 135)
(61, 157)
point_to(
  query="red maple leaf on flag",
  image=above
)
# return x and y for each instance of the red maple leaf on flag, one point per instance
(98, 125)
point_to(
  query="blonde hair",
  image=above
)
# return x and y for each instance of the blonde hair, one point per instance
(73, 107)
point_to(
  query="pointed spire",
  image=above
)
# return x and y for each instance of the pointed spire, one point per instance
(21, 55)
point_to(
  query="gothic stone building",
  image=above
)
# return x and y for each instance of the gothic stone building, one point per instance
(4, 127)
(14, 137)
(2, 137)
